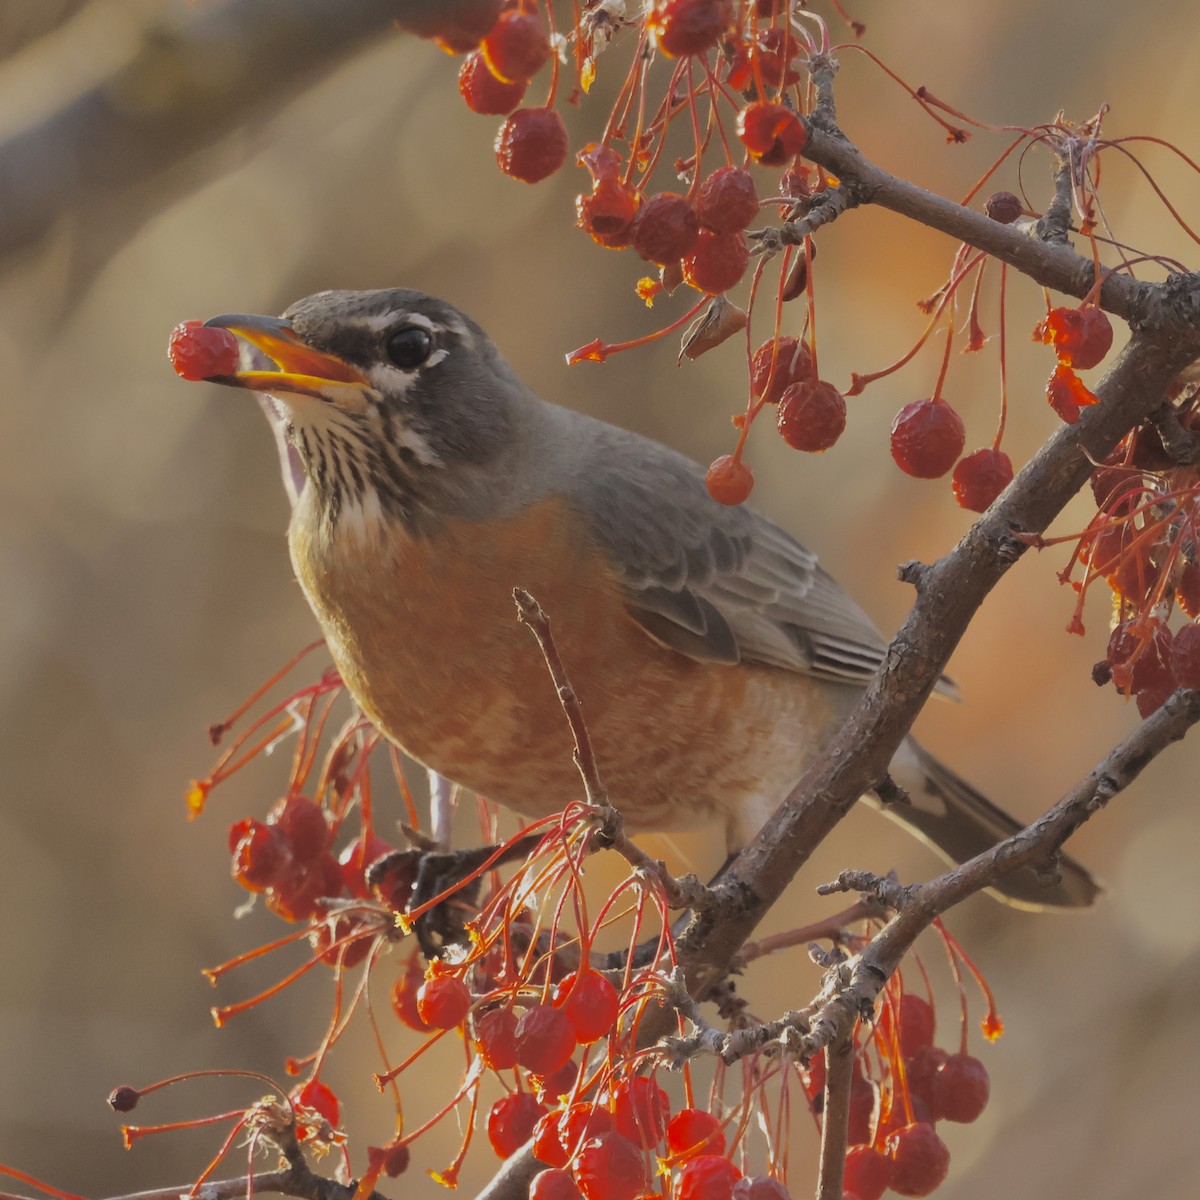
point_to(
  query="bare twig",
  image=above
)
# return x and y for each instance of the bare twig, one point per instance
(835, 1115)
(832, 927)
(687, 892)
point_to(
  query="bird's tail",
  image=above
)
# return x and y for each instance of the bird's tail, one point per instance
(959, 823)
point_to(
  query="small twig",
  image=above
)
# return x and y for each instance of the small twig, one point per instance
(1055, 225)
(687, 892)
(295, 1180)
(835, 1115)
(833, 927)
(886, 889)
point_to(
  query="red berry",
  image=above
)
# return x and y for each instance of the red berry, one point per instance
(640, 1110)
(457, 24)
(862, 1110)
(198, 351)
(296, 896)
(495, 1038)
(694, 1131)
(1005, 208)
(1187, 590)
(545, 1040)
(608, 212)
(927, 438)
(776, 365)
(665, 228)
(682, 27)
(706, 1177)
(727, 201)
(532, 144)
(260, 857)
(1081, 336)
(1185, 656)
(553, 1185)
(610, 1167)
(729, 480)
(760, 1187)
(772, 133)
(717, 262)
(547, 1143)
(443, 1001)
(517, 46)
(591, 1005)
(981, 477)
(771, 57)
(558, 1083)
(1143, 670)
(483, 92)
(333, 941)
(915, 1022)
(1066, 393)
(356, 859)
(511, 1120)
(960, 1089)
(581, 1122)
(304, 824)
(920, 1069)
(316, 1096)
(920, 1159)
(867, 1172)
(404, 996)
(811, 416)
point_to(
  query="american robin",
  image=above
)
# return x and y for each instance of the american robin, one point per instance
(712, 654)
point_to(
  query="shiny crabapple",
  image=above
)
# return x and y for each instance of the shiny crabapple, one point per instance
(1067, 394)
(483, 92)
(458, 25)
(980, 477)
(927, 438)
(684, 27)
(199, 352)
(553, 1184)
(961, 1088)
(443, 1001)
(760, 1187)
(304, 824)
(496, 1038)
(706, 1177)
(610, 1167)
(532, 144)
(694, 1131)
(727, 201)
(771, 58)
(867, 1172)
(1081, 336)
(511, 1120)
(591, 1004)
(772, 133)
(778, 364)
(1003, 207)
(260, 854)
(811, 416)
(607, 212)
(920, 1159)
(717, 262)
(729, 480)
(516, 47)
(640, 1110)
(665, 228)
(1185, 656)
(544, 1039)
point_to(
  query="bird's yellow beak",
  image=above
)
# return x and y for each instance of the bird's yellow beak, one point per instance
(302, 369)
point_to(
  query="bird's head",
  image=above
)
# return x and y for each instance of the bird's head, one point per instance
(390, 400)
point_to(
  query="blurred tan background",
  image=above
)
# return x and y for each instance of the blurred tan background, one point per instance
(145, 588)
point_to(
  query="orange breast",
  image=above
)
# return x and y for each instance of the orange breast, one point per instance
(424, 632)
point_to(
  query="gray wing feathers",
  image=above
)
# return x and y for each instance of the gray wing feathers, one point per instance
(715, 583)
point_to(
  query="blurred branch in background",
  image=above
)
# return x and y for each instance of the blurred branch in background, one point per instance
(24, 21)
(191, 81)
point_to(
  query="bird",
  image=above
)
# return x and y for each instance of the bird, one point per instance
(713, 656)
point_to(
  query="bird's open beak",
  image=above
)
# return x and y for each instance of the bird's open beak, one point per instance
(301, 369)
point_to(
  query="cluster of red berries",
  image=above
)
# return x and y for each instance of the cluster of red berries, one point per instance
(289, 859)
(893, 1137)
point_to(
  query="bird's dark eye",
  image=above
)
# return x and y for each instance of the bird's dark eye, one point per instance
(410, 346)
